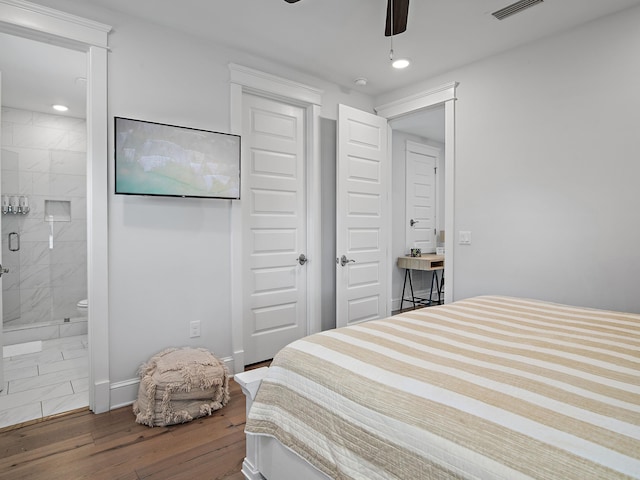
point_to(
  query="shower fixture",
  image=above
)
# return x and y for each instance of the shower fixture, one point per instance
(15, 204)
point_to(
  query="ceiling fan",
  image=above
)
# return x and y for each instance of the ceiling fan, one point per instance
(399, 16)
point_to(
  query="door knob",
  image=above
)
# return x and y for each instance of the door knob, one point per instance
(412, 222)
(344, 260)
(302, 259)
(3, 270)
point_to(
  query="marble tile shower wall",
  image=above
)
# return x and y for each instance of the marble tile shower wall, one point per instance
(44, 158)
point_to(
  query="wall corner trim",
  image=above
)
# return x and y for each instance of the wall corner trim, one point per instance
(102, 389)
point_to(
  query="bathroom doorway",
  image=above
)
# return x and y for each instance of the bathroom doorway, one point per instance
(44, 230)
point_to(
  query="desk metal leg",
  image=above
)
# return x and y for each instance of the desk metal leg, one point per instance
(413, 297)
(404, 285)
(433, 276)
(407, 274)
(434, 279)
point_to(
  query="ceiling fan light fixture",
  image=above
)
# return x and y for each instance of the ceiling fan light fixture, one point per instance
(397, 63)
(400, 63)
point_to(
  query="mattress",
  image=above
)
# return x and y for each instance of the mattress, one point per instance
(488, 387)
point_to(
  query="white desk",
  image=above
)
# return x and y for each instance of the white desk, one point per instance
(428, 262)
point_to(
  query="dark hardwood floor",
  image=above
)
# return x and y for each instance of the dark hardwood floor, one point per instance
(82, 445)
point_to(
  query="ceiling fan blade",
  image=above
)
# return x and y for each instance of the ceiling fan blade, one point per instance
(400, 15)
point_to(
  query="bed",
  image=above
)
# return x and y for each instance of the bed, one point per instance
(485, 388)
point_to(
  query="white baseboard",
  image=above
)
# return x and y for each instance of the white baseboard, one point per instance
(124, 393)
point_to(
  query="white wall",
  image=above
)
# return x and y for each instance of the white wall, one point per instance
(169, 258)
(547, 169)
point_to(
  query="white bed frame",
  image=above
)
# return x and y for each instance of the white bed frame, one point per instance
(267, 458)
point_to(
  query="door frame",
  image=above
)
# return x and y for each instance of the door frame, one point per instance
(247, 80)
(442, 95)
(35, 22)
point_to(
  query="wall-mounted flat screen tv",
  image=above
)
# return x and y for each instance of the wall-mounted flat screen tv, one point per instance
(167, 160)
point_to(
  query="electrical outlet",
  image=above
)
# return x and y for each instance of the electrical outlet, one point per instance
(194, 328)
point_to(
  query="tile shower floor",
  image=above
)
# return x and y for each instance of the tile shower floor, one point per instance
(52, 381)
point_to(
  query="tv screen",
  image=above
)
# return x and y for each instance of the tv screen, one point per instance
(167, 160)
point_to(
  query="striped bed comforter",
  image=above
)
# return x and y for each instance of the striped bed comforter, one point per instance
(489, 387)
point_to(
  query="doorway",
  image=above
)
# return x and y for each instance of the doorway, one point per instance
(44, 225)
(422, 132)
(424, 117)
(248, 83)
(440, 100)
(35, 22)
(445, 97)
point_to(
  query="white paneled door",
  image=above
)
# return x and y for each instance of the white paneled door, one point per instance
(421, 162)
(362, 203)
(274, 226)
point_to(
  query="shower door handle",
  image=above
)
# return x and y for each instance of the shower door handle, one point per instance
(3, 270)
(14, 236)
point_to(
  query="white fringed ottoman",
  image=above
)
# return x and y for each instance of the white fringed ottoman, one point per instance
(180, 384)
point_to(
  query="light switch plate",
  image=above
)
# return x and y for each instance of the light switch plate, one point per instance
(464, 237)
(194, 328)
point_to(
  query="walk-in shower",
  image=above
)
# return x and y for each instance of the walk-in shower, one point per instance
(44, 233)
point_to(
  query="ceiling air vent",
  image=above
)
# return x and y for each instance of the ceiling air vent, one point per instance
(514, 8)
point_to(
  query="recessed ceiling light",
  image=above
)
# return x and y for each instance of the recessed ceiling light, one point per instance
(60, 108)
(401, 63)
